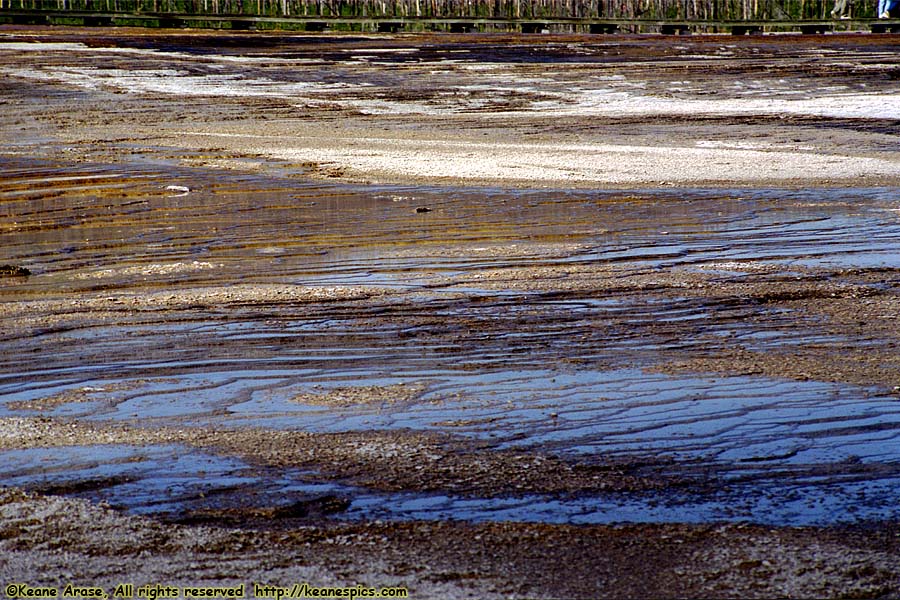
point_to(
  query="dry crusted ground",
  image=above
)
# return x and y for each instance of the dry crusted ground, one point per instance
(68, 540)
(52, 540)
(571, 111)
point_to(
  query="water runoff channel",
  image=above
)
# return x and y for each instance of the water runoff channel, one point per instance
(558, 370)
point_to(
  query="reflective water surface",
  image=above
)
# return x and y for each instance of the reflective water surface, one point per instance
(485, 348)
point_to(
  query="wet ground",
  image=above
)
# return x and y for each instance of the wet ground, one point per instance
(366, 282)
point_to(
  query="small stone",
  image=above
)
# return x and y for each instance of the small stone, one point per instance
(13, 271)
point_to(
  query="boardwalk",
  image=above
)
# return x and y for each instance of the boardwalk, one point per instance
(389, 23)
(527, 16)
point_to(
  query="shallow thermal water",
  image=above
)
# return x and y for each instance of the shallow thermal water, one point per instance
(174, 482)
(561, 374)
(475, 330)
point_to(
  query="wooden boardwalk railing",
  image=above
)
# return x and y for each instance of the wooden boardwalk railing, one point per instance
(163, 14)
(658, 10)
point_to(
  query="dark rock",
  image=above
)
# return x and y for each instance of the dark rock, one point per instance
(13, 271)
(315, 507)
